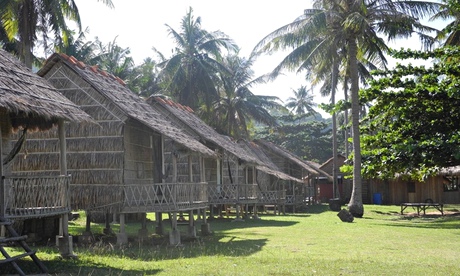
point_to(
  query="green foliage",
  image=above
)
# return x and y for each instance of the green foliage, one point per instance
(115, 59)
(310, 140)
(237, 108)
(25, 22)
(190, 74)
(144, 80)
(413, 126)
(302, 102)
(80, 48)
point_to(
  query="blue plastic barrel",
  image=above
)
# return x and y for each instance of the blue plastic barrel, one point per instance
(377, 198)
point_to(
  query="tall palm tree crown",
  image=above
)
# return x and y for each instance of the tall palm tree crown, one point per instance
(343, 31)
(190, 73)
(237, 107)
(302, 102)
(450, 34)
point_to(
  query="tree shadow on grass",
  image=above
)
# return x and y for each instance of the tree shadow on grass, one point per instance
(318, 208)
(265, 221)
(429, 221)
(70, 267)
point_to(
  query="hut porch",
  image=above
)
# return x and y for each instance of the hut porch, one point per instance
(164, 197)
(232, 193)
(26, 197)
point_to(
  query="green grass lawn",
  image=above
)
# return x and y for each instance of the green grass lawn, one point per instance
(313, 243)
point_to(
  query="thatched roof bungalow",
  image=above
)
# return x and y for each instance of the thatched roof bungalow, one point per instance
(133, 161)
(234, 177)
(292, 165)
(270, 179)
(29, 104)
(114, 164)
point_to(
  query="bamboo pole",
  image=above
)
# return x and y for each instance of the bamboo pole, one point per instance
(63, 170)
(2, 180)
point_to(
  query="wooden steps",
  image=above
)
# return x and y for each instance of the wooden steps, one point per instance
(20, 240)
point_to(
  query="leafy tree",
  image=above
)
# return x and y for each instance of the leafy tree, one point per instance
(413, 127)
(237, 107)
(25, 20)
(353, 26)
(310, 140)
(190, 74)
(144, 79)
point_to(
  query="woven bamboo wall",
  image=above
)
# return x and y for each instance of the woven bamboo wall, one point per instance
(183, 171)
(95, 153)
(229, 170)
(139, 153)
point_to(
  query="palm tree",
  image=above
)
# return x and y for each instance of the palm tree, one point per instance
(302, 102)
(451, 32)
(144, 79)
(115, 59)
(190, 73)
(337, 30)
(25, 20)
(78, 47)
(237, 106)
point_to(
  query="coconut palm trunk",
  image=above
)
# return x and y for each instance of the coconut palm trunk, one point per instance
(355, 206)
(335, 74)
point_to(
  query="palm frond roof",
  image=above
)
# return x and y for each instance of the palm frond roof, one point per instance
(30, 100)
(205, 132)
(133, 106)
(311, 169)
(269, 166)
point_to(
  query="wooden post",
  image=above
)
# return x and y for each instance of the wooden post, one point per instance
(64, 241)
(237, 206)
(202, 169)
(163, 170)
(122, 237)
(2, 180)
(63, 148)
(218, 176)
(190, 177)
(122, 223)
(174, 172)
(63, 170)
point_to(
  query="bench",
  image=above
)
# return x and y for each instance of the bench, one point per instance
(423, 207)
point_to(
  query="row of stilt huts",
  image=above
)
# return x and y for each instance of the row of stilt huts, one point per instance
(76, 138)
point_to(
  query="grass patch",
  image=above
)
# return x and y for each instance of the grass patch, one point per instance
(313, 243)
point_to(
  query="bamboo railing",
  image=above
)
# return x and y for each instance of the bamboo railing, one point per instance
(165, 197)
(271, 197)
(232, 194)
(35, 196)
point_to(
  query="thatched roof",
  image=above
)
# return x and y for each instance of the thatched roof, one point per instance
(269, 166)
(328, 165)
(130, 104)
(206, 133)
(275, 149)
(30, 100)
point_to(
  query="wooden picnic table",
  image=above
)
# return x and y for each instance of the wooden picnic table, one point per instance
(423, 207)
